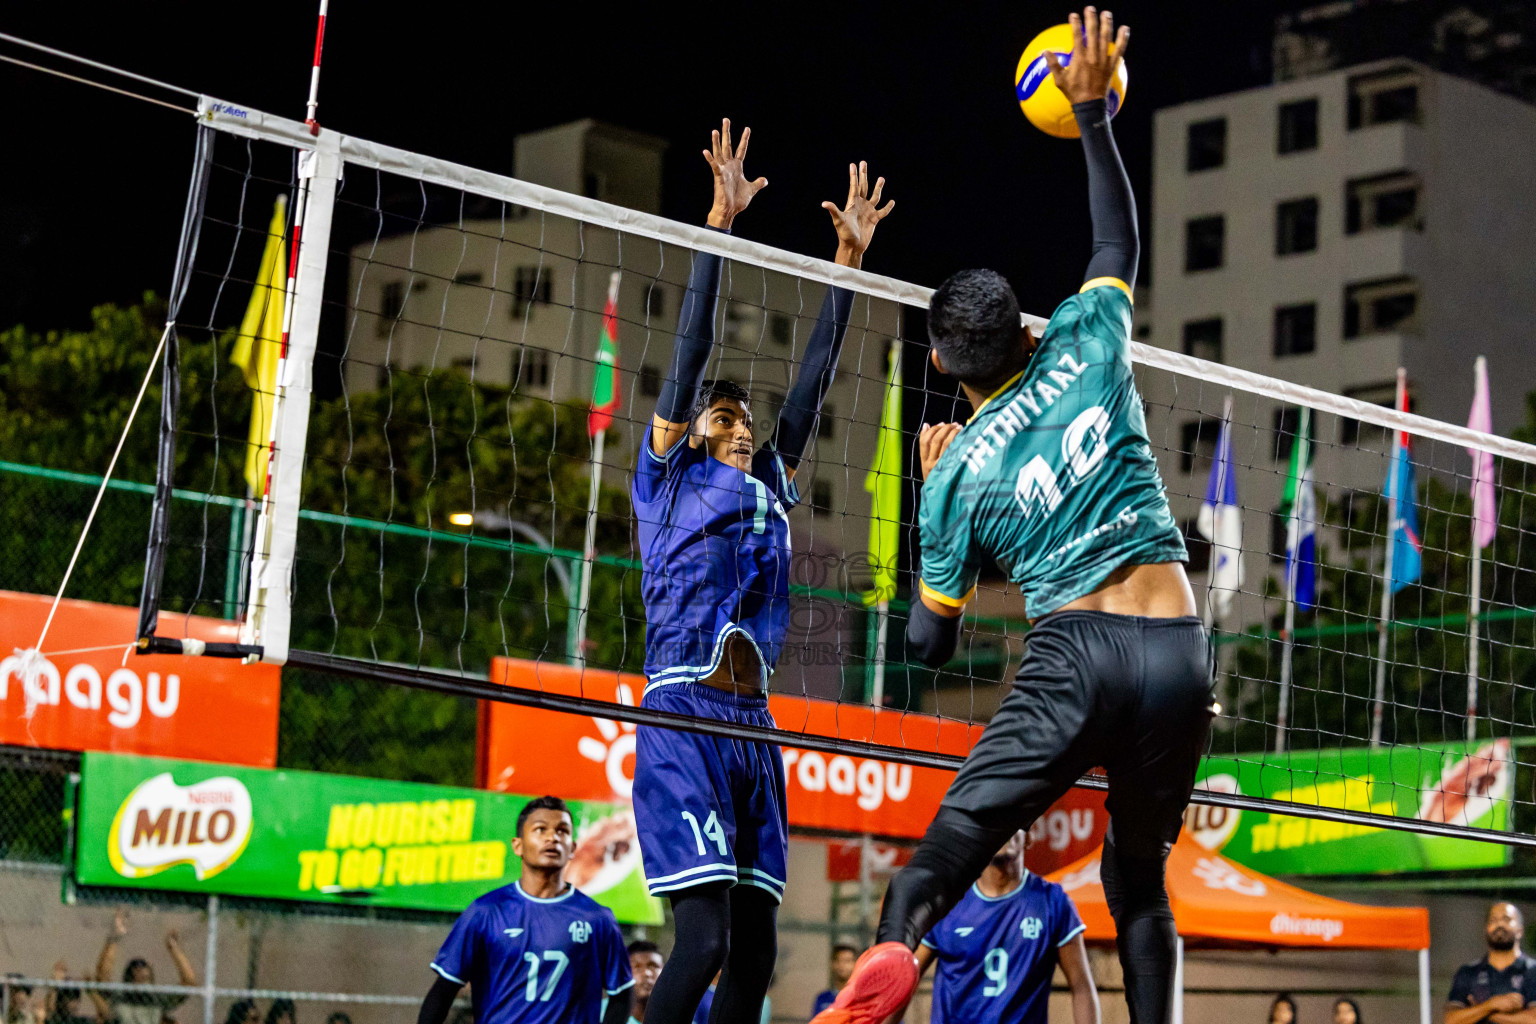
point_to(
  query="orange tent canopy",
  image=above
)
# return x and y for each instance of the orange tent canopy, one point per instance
(1219, 904)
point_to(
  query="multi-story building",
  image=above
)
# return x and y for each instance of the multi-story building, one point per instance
(514, 297)
(1327, 231)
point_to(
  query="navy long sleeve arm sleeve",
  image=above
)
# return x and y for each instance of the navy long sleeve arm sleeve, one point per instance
(1111, 203)
(802, 406)
(695, 339)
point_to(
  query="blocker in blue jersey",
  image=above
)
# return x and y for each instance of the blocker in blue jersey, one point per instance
(537, 951)
(1052, 481)
(997, 950)
(714, 539)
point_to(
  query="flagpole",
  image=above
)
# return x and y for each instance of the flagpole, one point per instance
(1475, 609)
(1292, 574)
(1386, 571)
(578, 653)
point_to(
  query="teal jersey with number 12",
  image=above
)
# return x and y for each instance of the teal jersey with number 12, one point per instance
(1053, 478)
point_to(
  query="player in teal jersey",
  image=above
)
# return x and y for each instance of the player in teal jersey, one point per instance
(1053, 480)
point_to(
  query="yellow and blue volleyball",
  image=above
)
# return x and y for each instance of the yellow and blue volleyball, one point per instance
(1043, 103)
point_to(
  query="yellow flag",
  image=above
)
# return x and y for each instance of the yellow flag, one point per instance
(885, 484)
(260, 344)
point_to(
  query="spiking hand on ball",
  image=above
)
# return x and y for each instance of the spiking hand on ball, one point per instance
(1037, 80)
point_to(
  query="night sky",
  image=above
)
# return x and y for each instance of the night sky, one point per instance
(94, 183)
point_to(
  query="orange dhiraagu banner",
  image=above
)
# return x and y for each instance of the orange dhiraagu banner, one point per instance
(529, 750)
(200, 709)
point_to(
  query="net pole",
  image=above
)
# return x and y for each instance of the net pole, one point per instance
(314, 73)
(1475, 607)
(882, 625)
(1377, 706)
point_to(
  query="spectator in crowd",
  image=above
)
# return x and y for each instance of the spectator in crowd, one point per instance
(1346, 1011)
(645, 963)
(841, 966)
(243, 1011)
(63, 1003)
(18, 1000)
(1501, 986)
(139, 1007)
(1283, 1009)
(281, 1011)
(339, 1018)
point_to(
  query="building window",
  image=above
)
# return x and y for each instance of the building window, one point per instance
(1202, 339)
(1376, 307)
(1197, 443)
(470, 277)
(826, 421)
(650, 381)
(655, 301)
(1383, 98)
(1207, 145)
(1204, 243)
(821, 494)
(531, 368)
(1287, 423)
(391, 306)
(1352, 431)
(1296, 226)
(530, 286)
(781, 328)
(1381, 201)
(1279, 534)
(1298, 126)
(1295, 329)
(737, 314)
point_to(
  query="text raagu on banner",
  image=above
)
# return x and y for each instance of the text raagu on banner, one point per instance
(89, 697)
(156, 823)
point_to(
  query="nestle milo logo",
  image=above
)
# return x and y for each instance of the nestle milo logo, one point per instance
(161, 824)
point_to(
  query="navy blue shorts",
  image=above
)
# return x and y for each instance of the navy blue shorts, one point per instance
(709, 809)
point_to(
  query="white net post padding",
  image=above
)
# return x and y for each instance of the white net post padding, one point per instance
(270, 604)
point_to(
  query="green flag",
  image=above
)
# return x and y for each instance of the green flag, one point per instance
(884, 483)
(605, 391)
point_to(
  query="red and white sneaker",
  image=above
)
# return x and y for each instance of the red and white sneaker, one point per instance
(880, 988)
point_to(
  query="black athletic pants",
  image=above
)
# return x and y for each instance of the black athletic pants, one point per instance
(1129, 694)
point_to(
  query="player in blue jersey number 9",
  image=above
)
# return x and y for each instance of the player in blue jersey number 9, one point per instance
(998, 949)
(537, 951)
(714, 539)
(1053, 480)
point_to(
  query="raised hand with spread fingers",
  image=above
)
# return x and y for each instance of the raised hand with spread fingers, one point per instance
(733, 192)
(857, 219)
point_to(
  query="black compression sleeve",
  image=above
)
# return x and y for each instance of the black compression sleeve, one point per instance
(931, 637)
(695, 338)
(439, 1001)
(1116, 249)
(618, 1007)
(802, 406)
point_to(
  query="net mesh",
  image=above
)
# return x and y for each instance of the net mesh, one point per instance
(447, 468)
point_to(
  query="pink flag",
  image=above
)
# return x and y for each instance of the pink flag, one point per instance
(1484, 512)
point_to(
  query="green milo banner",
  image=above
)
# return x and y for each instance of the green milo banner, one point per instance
(1458, 783)
(156, 823)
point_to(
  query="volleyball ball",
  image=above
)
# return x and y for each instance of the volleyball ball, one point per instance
(1043, 103)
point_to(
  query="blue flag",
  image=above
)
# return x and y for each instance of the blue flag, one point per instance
(1407, 549)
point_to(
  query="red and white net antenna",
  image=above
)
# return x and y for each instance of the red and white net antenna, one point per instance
(314, 74)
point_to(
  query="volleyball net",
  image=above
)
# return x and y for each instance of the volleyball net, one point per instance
(418, 391)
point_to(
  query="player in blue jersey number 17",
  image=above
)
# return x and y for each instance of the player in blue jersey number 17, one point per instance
(715, 546)
(1053, 480)
(997, 950)
(537, 951)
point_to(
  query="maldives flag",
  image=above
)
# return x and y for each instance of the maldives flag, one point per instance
(605, 384)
